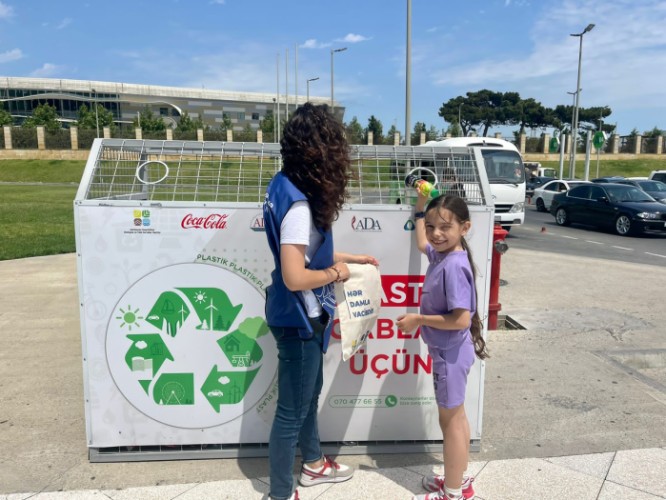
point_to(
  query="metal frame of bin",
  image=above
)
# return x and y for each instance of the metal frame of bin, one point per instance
(158, 220)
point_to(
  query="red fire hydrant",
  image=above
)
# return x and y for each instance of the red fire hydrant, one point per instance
(499, 248)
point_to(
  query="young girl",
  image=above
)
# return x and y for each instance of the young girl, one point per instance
(302, 201)
(451, 328)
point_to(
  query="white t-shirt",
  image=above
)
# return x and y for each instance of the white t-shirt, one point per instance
(298, 228)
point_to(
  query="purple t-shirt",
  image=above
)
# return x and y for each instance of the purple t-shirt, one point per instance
(448, 285)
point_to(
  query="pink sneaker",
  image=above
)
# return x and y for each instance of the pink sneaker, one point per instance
(435, 483)
(438, 495)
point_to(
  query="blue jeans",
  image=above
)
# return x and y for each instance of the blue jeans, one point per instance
(300, 378)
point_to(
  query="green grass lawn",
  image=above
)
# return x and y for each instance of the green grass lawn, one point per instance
(36, 220)
(626, 168)
(41, 170)
(39, 220)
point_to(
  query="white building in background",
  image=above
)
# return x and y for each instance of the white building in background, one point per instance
(22, 95)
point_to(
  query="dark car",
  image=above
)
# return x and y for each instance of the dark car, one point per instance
(535, 182)
(626, 209)
(655, 189)
(606, 180)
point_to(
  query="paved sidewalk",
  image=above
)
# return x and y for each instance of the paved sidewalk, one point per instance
(630, 475)
(575, 405)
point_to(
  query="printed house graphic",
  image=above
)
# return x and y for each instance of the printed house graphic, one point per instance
(240, 350)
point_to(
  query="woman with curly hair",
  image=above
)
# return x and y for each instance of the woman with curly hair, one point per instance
(302, 201)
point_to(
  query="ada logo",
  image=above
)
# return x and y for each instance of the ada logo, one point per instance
(409, 225)
(365, 224)
(257, 223)
(142, 218)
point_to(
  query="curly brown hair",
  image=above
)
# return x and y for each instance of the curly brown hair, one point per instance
(315, 156)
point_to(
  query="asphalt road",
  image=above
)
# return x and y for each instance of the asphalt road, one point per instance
(541, 233)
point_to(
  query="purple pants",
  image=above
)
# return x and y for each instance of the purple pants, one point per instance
(450, 368)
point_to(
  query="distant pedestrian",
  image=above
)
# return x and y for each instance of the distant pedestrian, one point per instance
(451, 328)
(302, 201)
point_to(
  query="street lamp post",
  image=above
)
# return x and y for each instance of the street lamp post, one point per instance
(408, 76)
(96, 116)
(575, 130)
(333, 51)
(572, 139)
(308, 85)
(459, 117)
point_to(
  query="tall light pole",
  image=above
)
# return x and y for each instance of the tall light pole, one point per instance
(459, 117)
(333, 51)
(308, 85)
(96, 117)
(408, 76)
(575, 131)
(572, 139)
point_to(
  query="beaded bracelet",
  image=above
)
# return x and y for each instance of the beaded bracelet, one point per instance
(337, 272)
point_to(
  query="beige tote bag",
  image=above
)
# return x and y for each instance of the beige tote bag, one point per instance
(358, 302)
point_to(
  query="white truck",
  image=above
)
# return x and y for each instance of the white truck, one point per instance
(506, 174)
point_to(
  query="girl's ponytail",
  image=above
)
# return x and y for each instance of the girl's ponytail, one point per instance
(477, 325)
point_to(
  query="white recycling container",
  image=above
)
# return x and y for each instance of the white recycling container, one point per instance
(173, 264)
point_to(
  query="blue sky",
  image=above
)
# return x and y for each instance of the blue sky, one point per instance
(457, 46)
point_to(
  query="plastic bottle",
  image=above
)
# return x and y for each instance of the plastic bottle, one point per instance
(422, 186)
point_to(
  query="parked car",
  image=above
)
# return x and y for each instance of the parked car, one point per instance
(658, 175)
(611, 178)
(655, 189)
(534, 182)
(626, 209)
(544, 195)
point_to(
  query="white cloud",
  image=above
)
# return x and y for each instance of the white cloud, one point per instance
(312, 43)
(6, 11)
(47, 70)
(11, 55)
(353, 38)
(624, 61)
(64, 23)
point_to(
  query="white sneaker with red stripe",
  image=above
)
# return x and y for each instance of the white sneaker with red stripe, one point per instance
(294, 496)
(435, 483)
(330, 472)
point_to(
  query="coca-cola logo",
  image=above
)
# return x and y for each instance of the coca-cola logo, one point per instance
(212, 221)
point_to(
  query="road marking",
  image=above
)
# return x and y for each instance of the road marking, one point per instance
(656, 255)
(594, 242)
(623, 248)
(569, 237)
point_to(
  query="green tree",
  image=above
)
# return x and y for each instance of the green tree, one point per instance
(655, 132)
(390, 135)
(5, 118)
(354, 132)
(88, 120)
(432, 133)
(185, 124)
(148, 122)
(416, 135)
(43, 116)
(375, 126)
(267, 125)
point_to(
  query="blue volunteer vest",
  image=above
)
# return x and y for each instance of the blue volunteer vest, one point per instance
(285, 308)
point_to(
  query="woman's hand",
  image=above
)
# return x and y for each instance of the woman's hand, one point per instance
(343, 270)
(409, 322)
(351, 258)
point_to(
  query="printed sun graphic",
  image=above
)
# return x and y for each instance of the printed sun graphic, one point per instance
(129, 318)
(200, 297)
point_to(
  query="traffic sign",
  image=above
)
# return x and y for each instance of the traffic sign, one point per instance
(599, 139)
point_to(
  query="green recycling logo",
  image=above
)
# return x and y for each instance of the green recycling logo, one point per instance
(188, 346)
